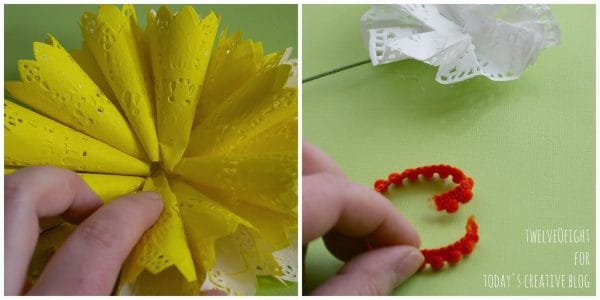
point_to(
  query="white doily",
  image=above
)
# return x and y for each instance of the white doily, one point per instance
(496, 41)
(237, 266)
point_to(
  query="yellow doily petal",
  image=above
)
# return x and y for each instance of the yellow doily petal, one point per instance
(261, 103)
(281, 137)
(116, 41)
(264, 180)
(241, 257)
(169, 282)
(32, 139)
(234, 62)
(274, 227)
(85, 59)
(164, 244)
(71, 97)
(180, 49)
(205, 222)
(108, 187)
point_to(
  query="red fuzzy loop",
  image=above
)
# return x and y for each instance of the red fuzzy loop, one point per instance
(382, 185)
(436, 262)
(395, 178)
(454, 252)
(454, 256)
(452, 206)
(448, 201)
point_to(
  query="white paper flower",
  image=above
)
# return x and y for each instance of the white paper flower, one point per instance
(496, 41)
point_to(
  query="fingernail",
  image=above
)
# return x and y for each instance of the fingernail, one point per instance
(409, 264)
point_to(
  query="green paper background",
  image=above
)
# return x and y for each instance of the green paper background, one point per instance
(529, 144)
(274, 25)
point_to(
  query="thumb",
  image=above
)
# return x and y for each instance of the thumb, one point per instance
(375, 272)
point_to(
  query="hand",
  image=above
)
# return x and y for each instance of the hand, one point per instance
(89, 261)
(349, 217)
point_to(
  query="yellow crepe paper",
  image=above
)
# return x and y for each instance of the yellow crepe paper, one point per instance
(220, 124)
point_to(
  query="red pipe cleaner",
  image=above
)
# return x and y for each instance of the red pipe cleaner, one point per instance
(448, 201)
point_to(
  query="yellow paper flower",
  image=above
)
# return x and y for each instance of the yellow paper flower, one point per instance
(210, 125)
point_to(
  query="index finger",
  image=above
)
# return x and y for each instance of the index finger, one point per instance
(334, 203)
(36, 192)
(89, 261)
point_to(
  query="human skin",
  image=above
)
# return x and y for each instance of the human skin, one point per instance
(89, 261)
(348, 217)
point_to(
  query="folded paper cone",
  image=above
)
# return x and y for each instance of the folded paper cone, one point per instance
(178, 74)
(235, 61)
(32, 139)
(71, 97)
(115, 40)
(264, 101)
(173, 249)
(109, 187)
(268, 177)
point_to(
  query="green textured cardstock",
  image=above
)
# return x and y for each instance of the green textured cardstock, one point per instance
(529, 144)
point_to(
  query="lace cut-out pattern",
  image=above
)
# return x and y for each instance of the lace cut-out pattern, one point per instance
(464, 41)
(119, 48)
(223, 146)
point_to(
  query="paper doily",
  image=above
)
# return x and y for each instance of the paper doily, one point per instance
(464, 41)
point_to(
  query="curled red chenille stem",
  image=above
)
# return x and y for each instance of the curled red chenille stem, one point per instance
(448, 201)
(453, 252)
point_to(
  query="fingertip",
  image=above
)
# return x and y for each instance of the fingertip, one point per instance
(151, 196)
(150, 201)
(409, 264)
(414, 239)
(376, 272)
(101, 243)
